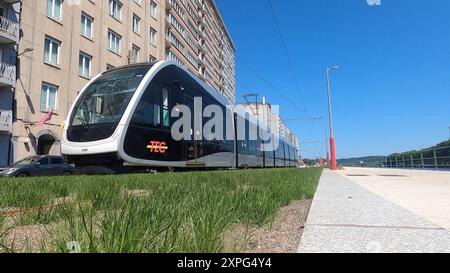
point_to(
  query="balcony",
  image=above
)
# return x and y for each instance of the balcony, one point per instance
(9, 31)
(5, 120)
(201, 22)
(198, 4)
(168, 41)
(7, 75)
(168, 5)
(168, 22)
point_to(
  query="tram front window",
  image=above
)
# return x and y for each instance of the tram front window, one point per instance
(102, 105)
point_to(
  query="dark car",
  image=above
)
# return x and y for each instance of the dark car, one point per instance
(44, 165)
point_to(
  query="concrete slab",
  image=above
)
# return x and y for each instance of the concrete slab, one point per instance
(346, 217)
(335, 239)
(425, 193)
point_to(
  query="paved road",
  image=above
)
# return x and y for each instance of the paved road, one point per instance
(347, 217)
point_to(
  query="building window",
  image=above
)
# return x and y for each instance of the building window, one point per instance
(151, 58)
(48, 97)
(173, 57)
(153, 36)
(84, 68)
(115, 9)
(114, 41)
(51, 51)
(135, 52)
(3, 12)
(54, 8)
(109, 67)
(136, 24)
(86, 25)
(153, 9)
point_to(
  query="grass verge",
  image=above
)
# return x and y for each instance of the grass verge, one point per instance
(168, 212)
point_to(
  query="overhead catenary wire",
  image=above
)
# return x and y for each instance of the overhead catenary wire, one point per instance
(243, 85)
(262, 78)
(288, 59)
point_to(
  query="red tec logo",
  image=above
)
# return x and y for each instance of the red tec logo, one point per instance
(157, 147)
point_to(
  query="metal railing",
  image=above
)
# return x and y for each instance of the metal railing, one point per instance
(8, 26)
(8, 72)
(434, 158)
(5, 120)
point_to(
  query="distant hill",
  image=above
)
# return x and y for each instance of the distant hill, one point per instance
(357, 160)
(443, 144)
(372, 159)
(415, 153)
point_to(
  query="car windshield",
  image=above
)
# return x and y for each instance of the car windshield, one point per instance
(106, 99)
(26, 161)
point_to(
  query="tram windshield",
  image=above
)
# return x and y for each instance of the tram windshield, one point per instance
(106, 99)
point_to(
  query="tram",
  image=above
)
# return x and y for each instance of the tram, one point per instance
(123, 118)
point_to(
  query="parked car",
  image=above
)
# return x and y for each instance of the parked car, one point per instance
(44, 165)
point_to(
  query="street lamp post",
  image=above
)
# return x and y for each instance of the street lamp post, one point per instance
(332, 142)
(26, 50)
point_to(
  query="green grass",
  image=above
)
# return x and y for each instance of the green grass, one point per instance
(184, 212)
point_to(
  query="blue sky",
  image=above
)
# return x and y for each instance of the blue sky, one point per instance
(392, 92)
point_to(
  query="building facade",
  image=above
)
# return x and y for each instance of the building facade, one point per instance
(198, 40)
(9, 39)
(286, 132)
(271, 118)
(68, 42)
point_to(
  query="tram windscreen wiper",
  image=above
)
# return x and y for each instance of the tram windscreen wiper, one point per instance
(82, 121)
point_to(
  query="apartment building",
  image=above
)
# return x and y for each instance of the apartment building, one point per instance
(286, 132)
(9, 39)
(65, 43)
(70, 42)
(271, 118)
(198, 40)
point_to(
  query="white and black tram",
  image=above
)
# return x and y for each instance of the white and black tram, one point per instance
(122, 121)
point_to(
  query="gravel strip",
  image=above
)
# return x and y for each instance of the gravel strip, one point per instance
(29, 239)
(281, 236)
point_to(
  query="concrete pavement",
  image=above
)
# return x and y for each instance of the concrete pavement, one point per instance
(426, 193)
(347, 217)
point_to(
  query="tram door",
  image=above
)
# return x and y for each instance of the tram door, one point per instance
(190, 146)
(243, 147)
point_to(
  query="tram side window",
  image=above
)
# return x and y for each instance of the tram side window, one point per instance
(278, 151)
(165, 107)
(286, 152)
(153, 109)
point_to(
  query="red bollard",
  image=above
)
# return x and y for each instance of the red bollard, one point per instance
(333, 154)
